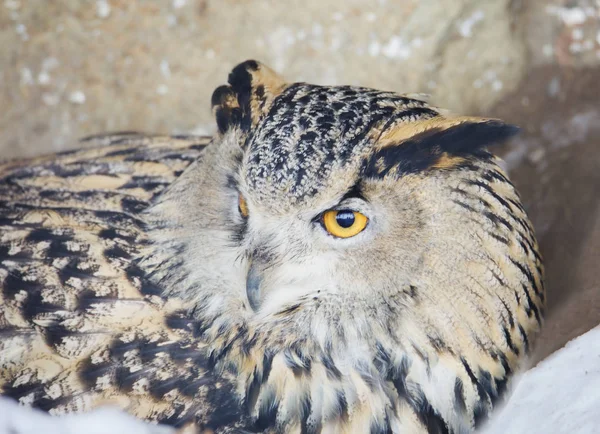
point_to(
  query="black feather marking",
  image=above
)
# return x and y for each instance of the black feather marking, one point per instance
(240, 88)
(259, 378)
(75, 269)
(480, 412)
(342, 405)
(176, 418)
(459, 396)
(509, 341)
(55, 334)
(429, 417)
(133, 206)
(527, 273)
(305, 412)
(398, 375)
(525, 339)
(299, 367)
(378, 428)
(125, 379)
(22, 390)
(422, 151)
(114, 234)
(332, 371)
(89, 372)
(146, 286)
(22, 255)
(227, 408)
(159, 388)
(472, 377)
(531, 308)
(116, 252)
(382, 360)
(35, 304)
(267, 412)
(485, 379)
(15, 282)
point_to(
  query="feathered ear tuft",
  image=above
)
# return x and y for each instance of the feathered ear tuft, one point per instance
(251, 90)
(436, 143)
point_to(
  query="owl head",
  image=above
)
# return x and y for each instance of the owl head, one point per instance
(355, 249)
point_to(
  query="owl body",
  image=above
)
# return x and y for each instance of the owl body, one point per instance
(336, 259)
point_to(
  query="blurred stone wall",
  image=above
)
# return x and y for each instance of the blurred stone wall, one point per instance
(70, 68)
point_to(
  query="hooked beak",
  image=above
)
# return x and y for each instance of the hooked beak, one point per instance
(253, 283)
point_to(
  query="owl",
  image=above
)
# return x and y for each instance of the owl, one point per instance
(336, 259)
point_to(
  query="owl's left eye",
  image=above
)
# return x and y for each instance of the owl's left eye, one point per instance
(344, 223)
(242, 206)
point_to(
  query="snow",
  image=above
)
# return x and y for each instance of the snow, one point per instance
(569, 16)
(560, 395)
(15, 419)
(466, 27)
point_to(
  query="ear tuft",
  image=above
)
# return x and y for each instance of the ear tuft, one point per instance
(469, 136)
(249, 95)
(435, 143)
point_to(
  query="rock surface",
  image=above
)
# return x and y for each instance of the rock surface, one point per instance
(70, 68)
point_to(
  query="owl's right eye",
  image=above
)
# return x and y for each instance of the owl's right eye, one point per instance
(344, 223)
(242, 206)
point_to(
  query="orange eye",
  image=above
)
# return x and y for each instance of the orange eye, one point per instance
(242, 206)
(344, 223)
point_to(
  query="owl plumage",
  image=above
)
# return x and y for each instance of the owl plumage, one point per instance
(197, 281)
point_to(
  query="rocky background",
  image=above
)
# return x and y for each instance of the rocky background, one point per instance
(69, 68)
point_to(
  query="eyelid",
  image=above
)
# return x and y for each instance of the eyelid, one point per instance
(349, 204)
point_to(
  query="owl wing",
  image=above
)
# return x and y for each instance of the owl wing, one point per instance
(81, 324)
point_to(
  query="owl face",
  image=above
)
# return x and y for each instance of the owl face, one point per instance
(363, 237)
(331, 246)
(329, 190)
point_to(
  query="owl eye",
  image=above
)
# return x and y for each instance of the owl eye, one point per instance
(242, 206)
(344, 223)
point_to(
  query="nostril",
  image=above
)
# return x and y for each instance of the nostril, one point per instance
(253, 281)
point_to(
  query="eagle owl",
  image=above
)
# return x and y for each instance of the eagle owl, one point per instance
(336, 259)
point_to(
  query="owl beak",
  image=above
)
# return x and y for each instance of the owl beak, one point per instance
(253, 282)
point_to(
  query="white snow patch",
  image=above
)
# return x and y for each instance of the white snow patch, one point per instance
(162, 89)
(548, 50)
(50, 99)
(371, 17)
(554, 87)
(178, 4)
(16, 419)
(50, 63)
(102, 9)
(560, 395)
(569, 16)
(337, 16)
(165, 68)
(465, 28)
(43, 78)
(22, 32)
(281, 40)
(26, 76)
(12, 5)
(374, 48)
(396, 48)
(200, 130)
(77, 97)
